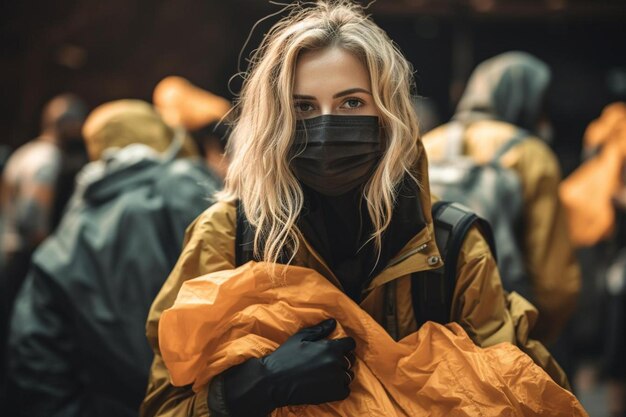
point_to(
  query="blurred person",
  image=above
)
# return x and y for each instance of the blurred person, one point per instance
(73, 158)
(201, 113)
(595, 198)
(326, 172)
(77, 342)
(29, 180)
(29, 197)
(615, 344)
(496, 122)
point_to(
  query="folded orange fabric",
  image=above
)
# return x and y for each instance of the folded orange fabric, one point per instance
(224, 318)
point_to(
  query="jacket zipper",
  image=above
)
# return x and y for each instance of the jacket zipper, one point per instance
(408, 254)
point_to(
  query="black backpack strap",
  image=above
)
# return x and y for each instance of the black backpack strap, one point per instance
(244, 238)
(432, 290)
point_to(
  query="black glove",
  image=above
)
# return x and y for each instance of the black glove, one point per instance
(306, 369)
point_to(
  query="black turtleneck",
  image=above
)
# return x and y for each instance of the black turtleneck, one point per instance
(338, 227)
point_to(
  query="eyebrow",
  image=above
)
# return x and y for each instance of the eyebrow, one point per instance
(303, 97)
(351, 91)
(340, 94)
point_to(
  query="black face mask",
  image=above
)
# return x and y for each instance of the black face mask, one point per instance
(334, 154)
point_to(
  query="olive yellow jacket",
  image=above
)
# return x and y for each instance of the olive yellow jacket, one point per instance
(479, 304)
(221, 319)
(548, 253)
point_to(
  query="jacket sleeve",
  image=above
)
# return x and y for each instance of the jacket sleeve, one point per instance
(549, 255)
(488, 314)
(42, 377)
(209, 247)
(478, 303)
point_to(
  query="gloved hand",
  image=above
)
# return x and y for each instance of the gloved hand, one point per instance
(306, 369)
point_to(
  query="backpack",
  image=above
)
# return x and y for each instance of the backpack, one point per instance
(431, 291)
(493, 192)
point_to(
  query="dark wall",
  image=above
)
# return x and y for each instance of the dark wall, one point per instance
(122, 48)
(110, 50)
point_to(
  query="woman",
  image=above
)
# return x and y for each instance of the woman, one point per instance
(328, 167)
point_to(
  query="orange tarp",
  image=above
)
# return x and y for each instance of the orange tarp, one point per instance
(223, 318)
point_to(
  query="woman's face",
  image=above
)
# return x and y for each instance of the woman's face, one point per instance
(332, 81)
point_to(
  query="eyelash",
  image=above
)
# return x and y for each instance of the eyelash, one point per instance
(358, 100)
(302, 103)
(306, 103)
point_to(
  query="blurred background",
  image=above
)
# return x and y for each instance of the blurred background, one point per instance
(121, 48)
(104, 51)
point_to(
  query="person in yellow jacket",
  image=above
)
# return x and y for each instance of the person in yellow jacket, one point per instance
(328, 168)
(505, 94)
(595, 198)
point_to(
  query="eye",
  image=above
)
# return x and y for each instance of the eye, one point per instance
(303, 106)
(352, 103)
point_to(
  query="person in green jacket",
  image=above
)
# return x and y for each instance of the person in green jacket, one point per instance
(77, 345)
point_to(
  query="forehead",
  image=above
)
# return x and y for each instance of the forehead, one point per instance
(329, 70)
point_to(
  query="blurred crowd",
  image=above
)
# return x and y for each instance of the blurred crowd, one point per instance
(93, 213)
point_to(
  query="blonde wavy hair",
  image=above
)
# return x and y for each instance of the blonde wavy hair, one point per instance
(260, 144)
